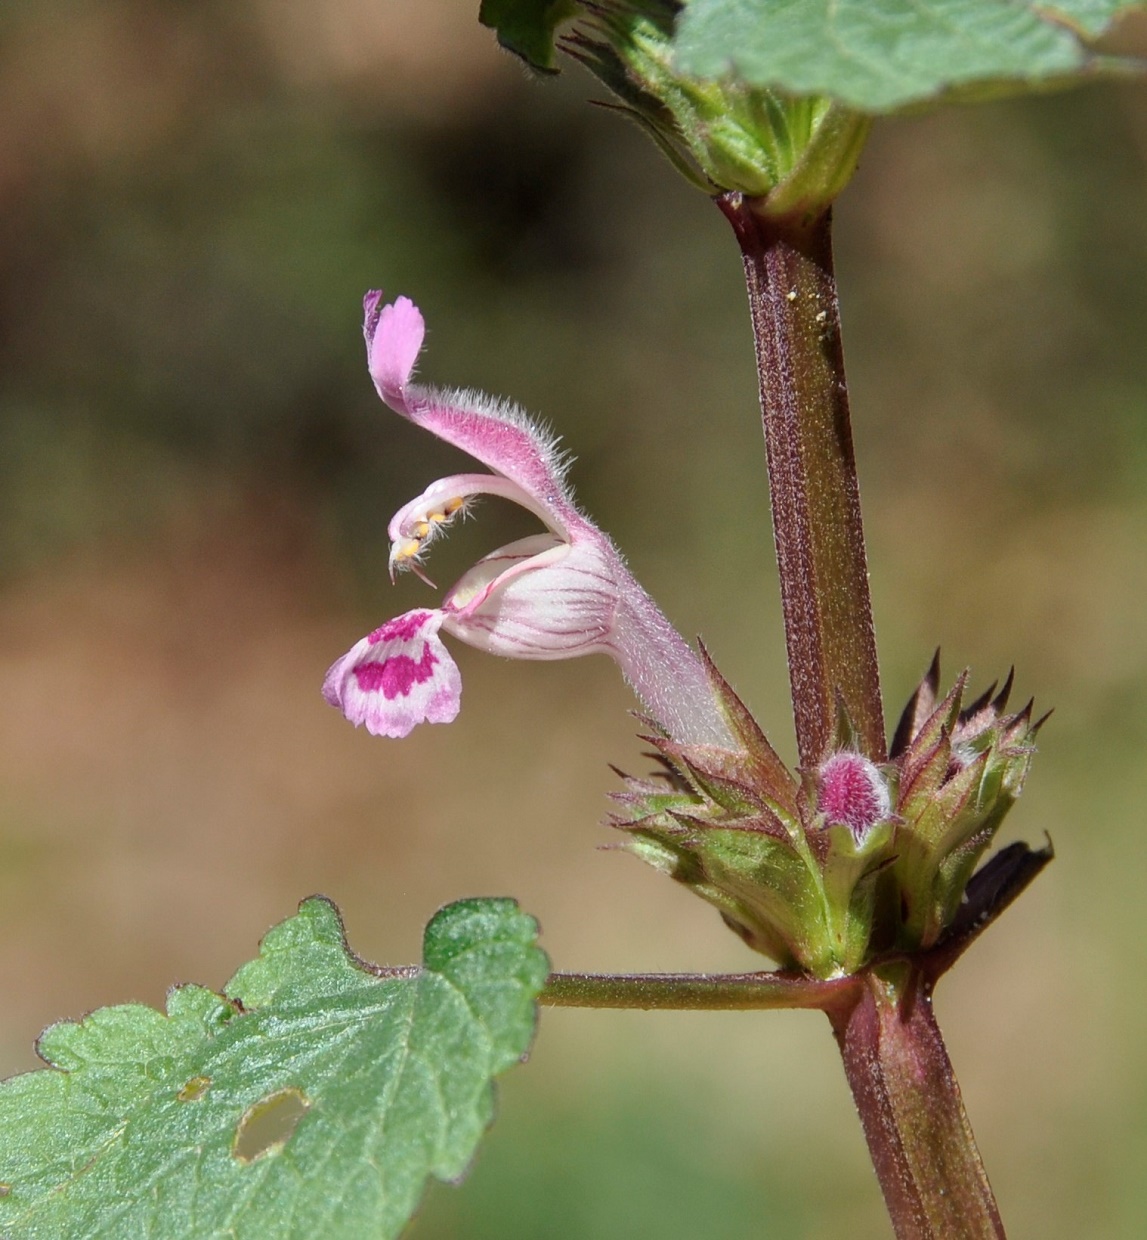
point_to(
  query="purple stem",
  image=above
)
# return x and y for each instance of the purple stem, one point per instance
(902, 1081)
(918, 1134)
(812, 477)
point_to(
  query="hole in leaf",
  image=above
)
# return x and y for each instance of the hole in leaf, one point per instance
(5, 1190)
(194, 1089)
(269, 1124)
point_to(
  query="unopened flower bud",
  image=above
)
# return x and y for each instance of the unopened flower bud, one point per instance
(853, 793)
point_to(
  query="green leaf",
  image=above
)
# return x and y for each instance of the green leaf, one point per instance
(526, 27)
(879, 55)
(314, 1098)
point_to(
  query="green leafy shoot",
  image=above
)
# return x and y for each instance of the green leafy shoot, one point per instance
(772, 99)
(898, 53)
(313, 1098)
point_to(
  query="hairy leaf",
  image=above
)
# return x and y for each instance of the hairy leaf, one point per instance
(879, 55)
(313, 1098)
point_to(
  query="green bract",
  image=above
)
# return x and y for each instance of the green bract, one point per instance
(816, 895)
(724, 136)
(959, 772)
(312, 1098)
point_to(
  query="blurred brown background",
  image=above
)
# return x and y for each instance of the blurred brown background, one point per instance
(195, 481)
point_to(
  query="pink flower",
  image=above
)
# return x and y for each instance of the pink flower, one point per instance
(553, 595)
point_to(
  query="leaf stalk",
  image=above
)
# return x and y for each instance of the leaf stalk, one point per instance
(698, 991)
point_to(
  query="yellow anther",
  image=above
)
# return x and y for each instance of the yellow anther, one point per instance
(437, 517)
(453, 505)
(421, 529)
(407, 550)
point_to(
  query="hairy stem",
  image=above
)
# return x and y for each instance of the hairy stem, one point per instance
(918, 1134)
(812, 476)
(697, 991)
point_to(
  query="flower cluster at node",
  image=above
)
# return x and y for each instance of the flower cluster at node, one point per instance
(854, 859)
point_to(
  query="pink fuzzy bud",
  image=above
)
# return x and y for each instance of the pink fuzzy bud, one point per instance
(853, 793)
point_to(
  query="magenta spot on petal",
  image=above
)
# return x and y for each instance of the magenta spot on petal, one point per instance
(396, 676)
(402, 628)
(852, 792)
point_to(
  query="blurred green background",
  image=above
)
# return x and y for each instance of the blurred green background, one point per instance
(195, 481)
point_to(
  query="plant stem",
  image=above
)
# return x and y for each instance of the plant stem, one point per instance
(812, 476)
(918, 1134)
(698, 991)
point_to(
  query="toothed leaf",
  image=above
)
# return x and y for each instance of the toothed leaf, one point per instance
(312, 1098)
(881, 57)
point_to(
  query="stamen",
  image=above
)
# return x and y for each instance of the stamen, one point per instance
(404, 555)
(417, 529)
